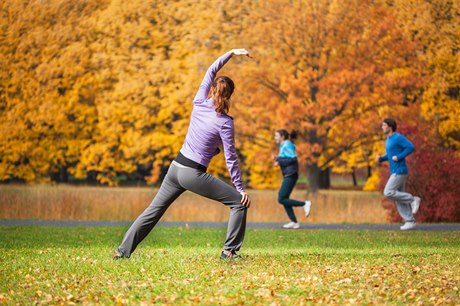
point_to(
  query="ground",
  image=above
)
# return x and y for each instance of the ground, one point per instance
(181, 265)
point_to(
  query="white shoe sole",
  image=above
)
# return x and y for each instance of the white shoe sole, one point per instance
(416, 205)
(291, 227)
(307, 208)
(407, 228)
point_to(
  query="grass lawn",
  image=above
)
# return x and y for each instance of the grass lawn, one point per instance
(52, 265)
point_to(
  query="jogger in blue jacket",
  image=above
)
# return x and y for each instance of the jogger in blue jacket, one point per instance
(398, 148)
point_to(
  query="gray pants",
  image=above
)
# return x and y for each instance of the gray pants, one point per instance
(179, 179)
(394, 190)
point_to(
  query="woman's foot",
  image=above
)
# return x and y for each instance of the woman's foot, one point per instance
(307, 207)
(229, 255)
(117, 255)
(292, 225)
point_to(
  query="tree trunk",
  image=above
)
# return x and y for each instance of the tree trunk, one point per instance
(313, 178)
(317, 178)
(353, 175)
(325, 179)
(63, 174)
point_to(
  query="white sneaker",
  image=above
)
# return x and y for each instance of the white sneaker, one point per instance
(415, 205)
(293, 225)
(307, 207)
(408, 226)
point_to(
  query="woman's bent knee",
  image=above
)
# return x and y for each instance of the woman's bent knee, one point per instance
(281, 200)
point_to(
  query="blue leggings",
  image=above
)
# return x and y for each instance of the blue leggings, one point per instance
(287, 186)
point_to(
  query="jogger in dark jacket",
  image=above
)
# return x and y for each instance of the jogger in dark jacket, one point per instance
(287, 160)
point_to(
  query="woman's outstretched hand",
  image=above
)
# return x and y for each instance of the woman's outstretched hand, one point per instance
(240, 52)
(246, 201)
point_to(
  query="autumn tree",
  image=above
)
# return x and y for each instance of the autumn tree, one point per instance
(102, 88)
(434, 28)
(99, 89)
(47, 96)
(141, 77)
(328, 69)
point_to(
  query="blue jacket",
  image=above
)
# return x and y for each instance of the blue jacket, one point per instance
(399, 146)
(287, 158)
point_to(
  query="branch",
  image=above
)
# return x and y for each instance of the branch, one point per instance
(254, 138)
(353, 144)
(274, 88)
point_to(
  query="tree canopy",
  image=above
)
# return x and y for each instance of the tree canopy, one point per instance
(98, 89)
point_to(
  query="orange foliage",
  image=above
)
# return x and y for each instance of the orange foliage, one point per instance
(328, 69)
(102, 88)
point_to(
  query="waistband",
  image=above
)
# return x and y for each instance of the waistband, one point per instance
(184, 161)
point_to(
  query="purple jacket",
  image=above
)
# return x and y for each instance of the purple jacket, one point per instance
(209, 129)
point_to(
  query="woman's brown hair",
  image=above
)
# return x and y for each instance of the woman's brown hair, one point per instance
(221, 91)
(285, 134)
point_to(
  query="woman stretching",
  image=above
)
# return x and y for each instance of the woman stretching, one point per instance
(210, 127)
(287, 160)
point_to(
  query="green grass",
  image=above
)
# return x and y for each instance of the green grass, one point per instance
(52, 265)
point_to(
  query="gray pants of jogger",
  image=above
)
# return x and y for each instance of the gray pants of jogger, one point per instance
(179, 179)
(395, 190)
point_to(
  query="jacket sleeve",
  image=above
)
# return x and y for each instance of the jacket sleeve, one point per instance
(227, 134)
(383, 158)
(205, 86)
(407, 146)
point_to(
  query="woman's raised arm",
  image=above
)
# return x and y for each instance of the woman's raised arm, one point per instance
(211, 73)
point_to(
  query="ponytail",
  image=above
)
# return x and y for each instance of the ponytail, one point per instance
(221, 91)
